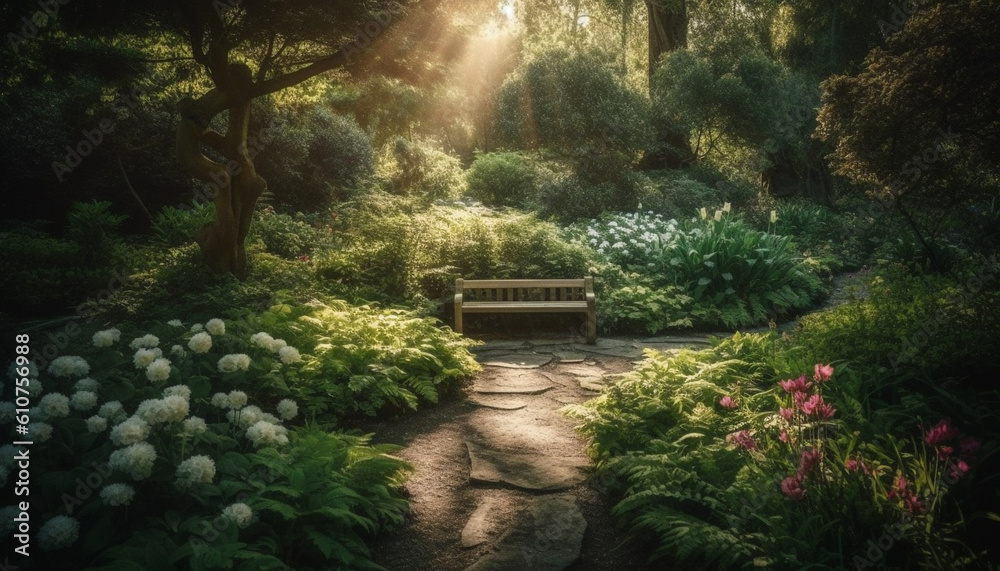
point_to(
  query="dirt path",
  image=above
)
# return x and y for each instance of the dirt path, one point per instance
(475, 460)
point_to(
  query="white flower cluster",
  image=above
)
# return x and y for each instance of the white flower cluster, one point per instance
(35, 387)
(69, 366)
(117, 494)
(234, 362)
(58, 533)
(168, 409)
(197, 327)
(112, 411)
(288, 409)
(136, 460)
(237, 399)
(200, 342)
(240, 514)
(145, 357)
(40, 431)
(630, 240)
(177, 391)
(147, 341)
(248, 416)
(220, 400)
(131, 431)
(195, 470)
(158, 371)
(265, 341)
(194, 425)
(289, 355)
(7, 412)
(178, 350)
(83, 400)
(175, 323)
(54, 405)
(216, 326)
(264, 433)
(96, 424)
(106, 338)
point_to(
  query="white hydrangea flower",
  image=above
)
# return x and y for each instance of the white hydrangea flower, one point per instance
(237, 399)
(289, 355)
(200, 343)
(245, 417)
(54, 405)
(263, 433)
(7, 412)
(106, 338)
(83, 400)
(168, 409)
(178, 391)
(288, 409)
(36, 413)
(113, 411)
(268, 417)
(216, 326)
(144, 357)
(58, 533)
(276, 345)
(117, 494)
(176, 408)
(40, 431)
(175, 323)
(158, 371)
(87, 384)
(262, 340)
(234, 362)
(197, 327)
(34, 387)
(97, 424)
(178, 350)
(240, 514)
(131, 431)
(195, 470)
(68, 366)
(147, 341)
(195, 425)
(136, 460)
(220, 400)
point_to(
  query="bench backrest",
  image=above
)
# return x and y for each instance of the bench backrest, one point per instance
(524, 290)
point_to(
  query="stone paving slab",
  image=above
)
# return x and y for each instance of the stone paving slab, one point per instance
(497, 403)
(533, 472)
(518, 361)
(513, 382)
(548, 538)
(592, 384)
(581, 370)
(480, 525)
(569, 356)
(622, 351)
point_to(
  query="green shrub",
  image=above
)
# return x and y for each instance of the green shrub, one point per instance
(643, 308)
(39, 274)
(503, 179)
(214, 468)
(419, 169)
(284, 235)
(178, 226)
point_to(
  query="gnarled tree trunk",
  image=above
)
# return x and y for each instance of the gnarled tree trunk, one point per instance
(667, 25)
(237, 184)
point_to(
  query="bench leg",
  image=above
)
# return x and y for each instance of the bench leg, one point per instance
(592, 327)
(458, 319)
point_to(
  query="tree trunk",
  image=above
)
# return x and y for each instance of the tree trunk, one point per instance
(667, 32)
(237, 184)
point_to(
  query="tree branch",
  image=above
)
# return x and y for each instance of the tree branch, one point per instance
(332, 62)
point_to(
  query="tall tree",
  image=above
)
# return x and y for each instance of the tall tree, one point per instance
(668, 24)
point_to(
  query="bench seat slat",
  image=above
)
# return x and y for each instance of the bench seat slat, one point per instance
(531, 284)
(523, 307)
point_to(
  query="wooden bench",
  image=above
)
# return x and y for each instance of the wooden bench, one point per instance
(527, 296)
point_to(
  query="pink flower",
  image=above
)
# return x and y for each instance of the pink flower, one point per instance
(825, 411)
(851, 465)
(943, 452)
(810, 458)
(727, 402)
(792, 486)
(785, 437)
(970, 445)
(304, 258)
(786, 413)
(959, 469)
(914, 505)
(942, 432)
(823, 372)
(798, 385)
(742, 438)
(901, 484)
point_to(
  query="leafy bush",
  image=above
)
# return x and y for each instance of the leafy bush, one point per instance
(177, 226)
(39, 274)
(92, 226)
(503, 179)
(284, 235)
(203, 467)
(643, 308)
(720, 465)
(579, 195)
(420, 169)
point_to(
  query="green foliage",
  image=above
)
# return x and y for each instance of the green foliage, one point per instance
(93, 226)
(174, 226)
(420, 169)
(285, 236)
(644, 308)
(504, 179)
(38, 273)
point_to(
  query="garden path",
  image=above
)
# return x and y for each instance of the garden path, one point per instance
(502, 480)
